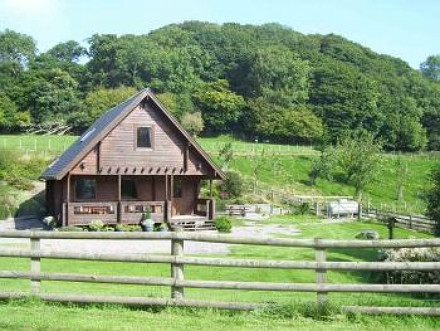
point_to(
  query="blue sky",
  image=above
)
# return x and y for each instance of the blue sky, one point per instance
(406, 29)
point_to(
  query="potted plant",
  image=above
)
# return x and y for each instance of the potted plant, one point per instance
(147, 223)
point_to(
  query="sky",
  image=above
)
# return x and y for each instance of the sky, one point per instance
(408, 29)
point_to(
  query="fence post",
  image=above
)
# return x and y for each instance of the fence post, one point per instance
(177, 269)
(35, 266)
(317, 208)
(410, 221)
(321, 274)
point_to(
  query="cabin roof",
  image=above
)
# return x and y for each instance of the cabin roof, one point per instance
(103, 126)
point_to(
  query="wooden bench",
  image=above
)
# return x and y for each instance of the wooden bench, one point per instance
(236, 210)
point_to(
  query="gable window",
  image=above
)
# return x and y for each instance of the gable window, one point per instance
(128, 189)
(177, 188)
(143, 137)
(85, 189)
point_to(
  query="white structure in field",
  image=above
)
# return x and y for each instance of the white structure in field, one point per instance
(343, 207)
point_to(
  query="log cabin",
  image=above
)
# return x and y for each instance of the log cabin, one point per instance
(135, 157)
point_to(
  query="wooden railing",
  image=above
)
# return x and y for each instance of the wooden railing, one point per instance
(178, 260)
(79, 213)
(82, 213)
(132, 211)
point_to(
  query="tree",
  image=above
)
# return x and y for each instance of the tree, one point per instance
(226, 155)
(8, 110)
(16, 50)
(323, 166)
(296, 123)
(193, 123)
(432, 197)
(402, 173)
(278, 75)
(69, 51)
(431, 67)
(220, 107)
(358, 158)
(99, 101)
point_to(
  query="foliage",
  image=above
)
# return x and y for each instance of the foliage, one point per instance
(358, 158)
(226, 155)
(99, 101)
(323, 166)
(233, 186)
(220, 107)
(96, 226)
(266, 81)
(431, 67)
(223, 224)
(411, 255)
(193, 123)
(432, 197)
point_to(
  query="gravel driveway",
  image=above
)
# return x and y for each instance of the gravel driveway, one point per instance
(153, 246)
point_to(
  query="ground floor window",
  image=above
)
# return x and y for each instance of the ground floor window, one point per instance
(177, 188)
(128, 189)
(85, 189)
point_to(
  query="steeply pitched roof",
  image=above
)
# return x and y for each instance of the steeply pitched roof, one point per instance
(103, 126)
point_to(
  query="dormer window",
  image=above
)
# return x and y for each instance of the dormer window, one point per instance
(144, 137)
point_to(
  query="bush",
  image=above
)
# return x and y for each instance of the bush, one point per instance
(127, 228)
(233, 186)
(411, 255)
(223, 224)
(96, 226)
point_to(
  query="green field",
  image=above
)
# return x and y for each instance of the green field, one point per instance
(293, 314)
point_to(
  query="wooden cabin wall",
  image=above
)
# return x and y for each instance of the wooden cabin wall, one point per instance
(88, 165)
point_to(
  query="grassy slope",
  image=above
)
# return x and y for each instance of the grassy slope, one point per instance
(293, 170)
(18, 315)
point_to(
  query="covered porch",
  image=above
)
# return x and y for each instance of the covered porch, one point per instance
(122, 199)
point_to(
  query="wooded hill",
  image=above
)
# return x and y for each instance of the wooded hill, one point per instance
(266, 81)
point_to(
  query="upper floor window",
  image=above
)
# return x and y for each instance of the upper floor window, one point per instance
(143, 137)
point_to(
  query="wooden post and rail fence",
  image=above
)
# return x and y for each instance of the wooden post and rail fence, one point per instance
(178, 260)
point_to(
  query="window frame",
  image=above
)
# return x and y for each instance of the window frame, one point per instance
(76, 198)
(135, 138)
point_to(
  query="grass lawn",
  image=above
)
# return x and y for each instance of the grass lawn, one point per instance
(293, 315)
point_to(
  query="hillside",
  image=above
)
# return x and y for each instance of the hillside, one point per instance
(265, 82)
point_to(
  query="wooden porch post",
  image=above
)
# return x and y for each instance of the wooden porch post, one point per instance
(66, 212)
(119, 209)
(210, 188)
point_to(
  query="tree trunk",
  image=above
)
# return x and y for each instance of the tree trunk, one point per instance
(400, 192)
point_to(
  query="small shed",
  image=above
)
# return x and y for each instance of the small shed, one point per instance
(342, 207)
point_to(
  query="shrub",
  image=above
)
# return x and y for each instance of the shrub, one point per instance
(233, 185)
(96, 226)
(127, 228)
(411, 255)
(223, 224)
(303, 208)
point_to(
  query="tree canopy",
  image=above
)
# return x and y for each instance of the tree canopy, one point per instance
(265, 81)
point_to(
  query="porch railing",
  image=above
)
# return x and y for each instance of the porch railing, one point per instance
(82, 213)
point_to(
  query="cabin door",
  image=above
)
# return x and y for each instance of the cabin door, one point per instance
(183, 197)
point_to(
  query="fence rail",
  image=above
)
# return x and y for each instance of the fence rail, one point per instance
(178, 260)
